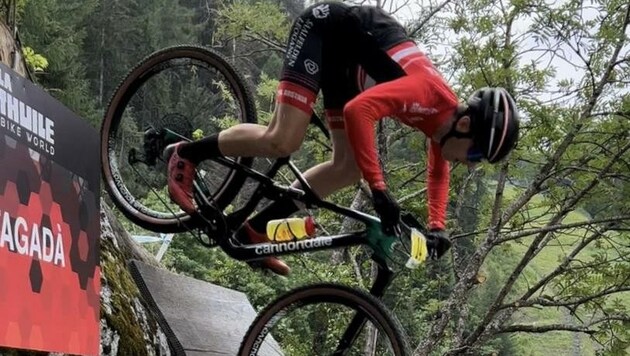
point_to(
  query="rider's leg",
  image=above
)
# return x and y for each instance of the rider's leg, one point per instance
(342, 171)
(338, 88)
(325, 178)
(300, 82)
(282, 137)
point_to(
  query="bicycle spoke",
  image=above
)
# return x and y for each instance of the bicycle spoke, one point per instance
(181, 91)
(313, 320)
(161, 199)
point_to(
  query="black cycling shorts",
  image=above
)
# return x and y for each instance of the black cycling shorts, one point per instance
(338, 48)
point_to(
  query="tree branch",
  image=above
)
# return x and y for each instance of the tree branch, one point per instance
(456, 251)
(412, 195)
(544, 328)
(514, 236)
(532, 328)
(531, 252)
(461, 288)
(358, 203)
(422, 23)
(550, 302)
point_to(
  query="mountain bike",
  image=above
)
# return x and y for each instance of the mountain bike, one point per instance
(181, 93)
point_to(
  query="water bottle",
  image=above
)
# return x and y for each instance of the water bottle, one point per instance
(282, 230)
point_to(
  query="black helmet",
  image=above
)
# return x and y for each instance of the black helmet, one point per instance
(495, 122)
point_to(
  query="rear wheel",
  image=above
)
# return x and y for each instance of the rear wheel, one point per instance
(311, 321)
(186, 91)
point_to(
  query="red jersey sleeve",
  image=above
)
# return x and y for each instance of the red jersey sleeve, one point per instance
(438, 179)
(422, 101)
(360, 114)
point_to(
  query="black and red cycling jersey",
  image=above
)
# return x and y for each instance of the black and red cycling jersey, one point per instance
(367, 68)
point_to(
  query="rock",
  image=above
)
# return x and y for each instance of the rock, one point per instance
(127, 326)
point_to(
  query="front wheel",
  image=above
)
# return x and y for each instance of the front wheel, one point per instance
(312, 321)
(182, 92)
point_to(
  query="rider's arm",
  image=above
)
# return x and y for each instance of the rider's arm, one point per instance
(438, 176)
(394, 98)
(359, 116)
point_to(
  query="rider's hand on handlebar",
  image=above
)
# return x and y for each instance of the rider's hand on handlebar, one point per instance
(438, 243)
(388, 210)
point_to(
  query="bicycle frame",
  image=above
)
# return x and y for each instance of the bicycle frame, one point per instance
(267, 187)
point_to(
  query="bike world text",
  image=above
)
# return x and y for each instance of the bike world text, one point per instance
(22, 121)
(294, 245)
(31, 240)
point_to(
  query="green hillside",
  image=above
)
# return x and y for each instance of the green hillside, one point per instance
(555, 342)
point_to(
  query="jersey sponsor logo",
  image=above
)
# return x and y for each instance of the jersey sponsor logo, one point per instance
(298, 36)
(416, 108)
(292, 94)
(321, 11)
(311, 67)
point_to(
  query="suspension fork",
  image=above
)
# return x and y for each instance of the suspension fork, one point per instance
(384, 277)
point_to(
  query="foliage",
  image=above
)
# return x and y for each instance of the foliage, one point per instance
(35, 61)
(60, 44)
(540, 242)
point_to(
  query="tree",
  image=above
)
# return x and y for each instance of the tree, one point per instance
(574, 133)
(53, 29)
(120, 34)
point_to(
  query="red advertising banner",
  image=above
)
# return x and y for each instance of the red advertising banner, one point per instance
(49, 223)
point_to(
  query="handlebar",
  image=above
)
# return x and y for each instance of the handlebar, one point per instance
(433, 246)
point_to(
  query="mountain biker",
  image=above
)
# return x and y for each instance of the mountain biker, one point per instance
(367, 68)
